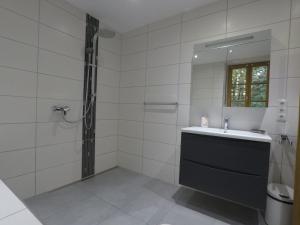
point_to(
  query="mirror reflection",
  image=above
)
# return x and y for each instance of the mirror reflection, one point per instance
(232, 72)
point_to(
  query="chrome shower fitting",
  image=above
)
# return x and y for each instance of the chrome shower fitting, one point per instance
(64, 109)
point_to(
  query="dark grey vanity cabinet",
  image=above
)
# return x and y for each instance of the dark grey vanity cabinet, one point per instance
(232, 169)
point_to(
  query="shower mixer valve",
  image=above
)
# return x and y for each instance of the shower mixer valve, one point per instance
(64, 109)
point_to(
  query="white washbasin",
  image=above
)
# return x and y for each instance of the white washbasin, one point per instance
(237, 134)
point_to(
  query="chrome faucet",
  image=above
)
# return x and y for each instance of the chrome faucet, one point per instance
(226, 124)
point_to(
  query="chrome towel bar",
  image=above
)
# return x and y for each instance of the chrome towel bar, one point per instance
(161, 103)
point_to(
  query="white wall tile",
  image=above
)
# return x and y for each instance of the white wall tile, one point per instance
(64, 66)
(62, 43)
(279, 64)
(111, 44)
(109, 60)
(130, 145)
(10, 109)
(108, 77)
(277, 91)
(61, 20)
(295, 8)
(160, 152)
(164, 23)
(294, 66)
(158, 170)
(205, 26)
(105, 162)
(56, 133)
(55, 155)
(162, 75)
(133, 78)
(17, 27)
(160, 133)
(23, 186)
(276, 150)
(135, 32)
(105, 145)
(205, 10)
(295, 32)
(185, 75)
(69, 8)
(55, 177)
(130, 162)
(133, 61)
(163, 56)
(17, 83)
(287, 175)
(177, 155)
(107, 94)
(106, 128)
(155, 114)
(184, 93)
(16, 163)
(131, 112)
(274, 172)
(258, 13)
(293, 116)
(59, 88)
(166, 36)
(132, 95)
(293, 91)
(163, 93)
(30, 8)
(183, 115)
(235, 3)
(9, 132)
(132, 129)
(134, 44)
(17, 55)
(108, 111)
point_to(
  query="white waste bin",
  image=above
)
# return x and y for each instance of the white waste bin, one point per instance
(279, 204)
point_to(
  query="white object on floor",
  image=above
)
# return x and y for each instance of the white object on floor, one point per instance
(237, 134)
(12, 210)
(279, 204)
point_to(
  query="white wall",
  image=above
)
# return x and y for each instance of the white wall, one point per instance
(42, 64)
(156, 61)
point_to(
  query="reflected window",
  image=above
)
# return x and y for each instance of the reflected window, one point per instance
(248, 85)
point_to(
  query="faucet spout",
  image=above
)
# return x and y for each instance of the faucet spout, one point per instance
(226, 124)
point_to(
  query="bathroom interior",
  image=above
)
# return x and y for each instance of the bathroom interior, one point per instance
(139, 112)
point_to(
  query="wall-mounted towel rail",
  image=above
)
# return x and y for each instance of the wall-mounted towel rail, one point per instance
(161, 103)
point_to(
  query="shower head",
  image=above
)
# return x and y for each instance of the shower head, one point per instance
(106, 33)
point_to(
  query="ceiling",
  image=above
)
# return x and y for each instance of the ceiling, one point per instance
(126, 15)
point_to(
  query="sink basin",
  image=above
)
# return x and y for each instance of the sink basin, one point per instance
(237, 134)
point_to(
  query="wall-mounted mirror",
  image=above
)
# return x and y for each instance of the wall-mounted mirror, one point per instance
(232, 72)
(230, 75)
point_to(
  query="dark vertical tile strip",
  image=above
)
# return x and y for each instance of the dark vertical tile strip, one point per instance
(88, 135)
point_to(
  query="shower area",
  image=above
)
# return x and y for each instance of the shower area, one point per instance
(88, 119)
(59, 85)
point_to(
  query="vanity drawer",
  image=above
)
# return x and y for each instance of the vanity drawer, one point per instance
(242, 156)
(249, 190)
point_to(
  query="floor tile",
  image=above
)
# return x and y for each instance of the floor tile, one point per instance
(122, 197)
(120, 218)
(89, 212)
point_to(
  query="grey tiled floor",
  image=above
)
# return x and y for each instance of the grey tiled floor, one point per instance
(121, 197)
